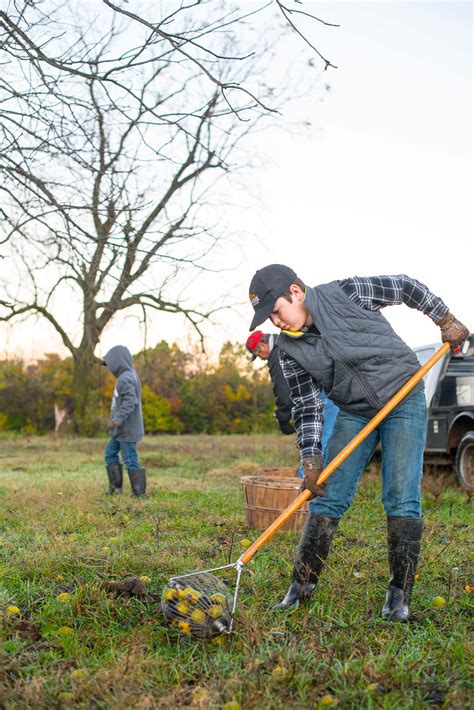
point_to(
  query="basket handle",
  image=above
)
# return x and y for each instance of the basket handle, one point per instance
(342, 455)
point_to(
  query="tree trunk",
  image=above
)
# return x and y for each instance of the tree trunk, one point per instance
(85, 391)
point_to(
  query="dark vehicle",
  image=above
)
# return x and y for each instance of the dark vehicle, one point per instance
(450, 401)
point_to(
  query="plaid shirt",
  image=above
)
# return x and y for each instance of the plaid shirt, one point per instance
(372, 293)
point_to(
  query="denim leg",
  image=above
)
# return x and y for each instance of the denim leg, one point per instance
(340, 487)
(111, 452)
(330, 414)
(403, 437)
(128, 449)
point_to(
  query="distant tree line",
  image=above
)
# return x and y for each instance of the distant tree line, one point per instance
(183, 392)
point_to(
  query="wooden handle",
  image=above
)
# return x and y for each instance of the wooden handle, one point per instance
(346, 451)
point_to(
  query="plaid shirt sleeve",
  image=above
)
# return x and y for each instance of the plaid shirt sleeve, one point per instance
(307, 408)
(375, 292)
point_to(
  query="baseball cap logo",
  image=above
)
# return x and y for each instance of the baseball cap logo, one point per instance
(266, 286)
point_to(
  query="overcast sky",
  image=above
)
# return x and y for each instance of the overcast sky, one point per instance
(380, 183)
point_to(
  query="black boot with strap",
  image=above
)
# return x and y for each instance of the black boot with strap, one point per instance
(313, 550)
(404, 542)
(115, 475)
(137, 478)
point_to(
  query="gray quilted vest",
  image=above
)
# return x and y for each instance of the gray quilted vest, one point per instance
(358, 359)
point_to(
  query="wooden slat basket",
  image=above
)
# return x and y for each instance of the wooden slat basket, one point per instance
(268, 496)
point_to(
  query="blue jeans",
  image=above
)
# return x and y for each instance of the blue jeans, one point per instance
(128, 449)
(402, 435)
(330, 414)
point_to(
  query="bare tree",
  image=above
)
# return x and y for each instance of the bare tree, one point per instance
(190, 43)
(111, 140)
(188, 31)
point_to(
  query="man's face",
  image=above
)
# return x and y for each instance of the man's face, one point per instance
(291, 316)
(262, 351)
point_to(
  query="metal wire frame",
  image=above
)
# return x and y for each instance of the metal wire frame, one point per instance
(234, 565)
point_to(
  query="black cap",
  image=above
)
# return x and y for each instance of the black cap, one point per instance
(267, 285)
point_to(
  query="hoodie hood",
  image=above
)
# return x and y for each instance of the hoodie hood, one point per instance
(118, 360)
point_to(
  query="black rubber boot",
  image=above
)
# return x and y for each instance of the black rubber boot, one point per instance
(115, 474)
(137, 478)
(404, 541)
(313, 550)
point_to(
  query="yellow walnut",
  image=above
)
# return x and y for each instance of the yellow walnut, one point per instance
(198, 616)
(65, 631)
(182, 607)
(191, 595)
(170, 594)
(215, 611)
(218, 598)
(328, 700)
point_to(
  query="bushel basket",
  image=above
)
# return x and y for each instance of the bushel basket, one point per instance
(268, 496)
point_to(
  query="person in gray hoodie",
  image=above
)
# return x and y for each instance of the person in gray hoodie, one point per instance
(125, 424)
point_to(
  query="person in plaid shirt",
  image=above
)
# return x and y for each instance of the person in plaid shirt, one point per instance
(262, 345)
(335, 340)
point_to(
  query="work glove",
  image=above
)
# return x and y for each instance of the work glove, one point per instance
(286, 428)
(313, 466)
(111, 426)
(452, 330)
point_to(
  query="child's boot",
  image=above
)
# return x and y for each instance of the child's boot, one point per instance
(404, 541)
(137, 478)
(312, 551)
(115, 474)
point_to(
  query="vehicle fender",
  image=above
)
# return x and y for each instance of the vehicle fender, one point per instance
(462, 423)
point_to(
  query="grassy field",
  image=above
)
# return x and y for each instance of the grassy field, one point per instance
(94, 649)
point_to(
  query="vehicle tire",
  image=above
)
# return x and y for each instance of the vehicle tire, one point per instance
(464, 463)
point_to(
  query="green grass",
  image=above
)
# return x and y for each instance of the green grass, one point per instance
(55, 520)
